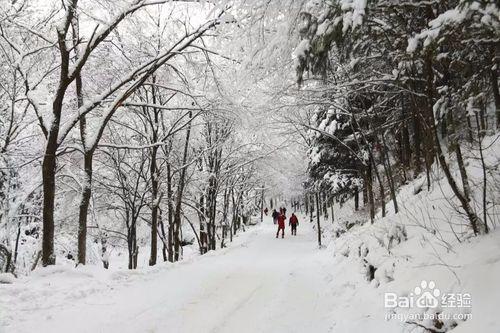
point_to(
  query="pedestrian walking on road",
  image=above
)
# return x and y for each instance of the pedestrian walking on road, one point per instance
(281, 225)
(275, 215)
(293, 222)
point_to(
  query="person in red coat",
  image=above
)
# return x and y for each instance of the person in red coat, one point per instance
(293, 222)
(281, 225)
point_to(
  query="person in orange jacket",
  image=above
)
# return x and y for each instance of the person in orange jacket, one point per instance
(281, 225)
(293, 222)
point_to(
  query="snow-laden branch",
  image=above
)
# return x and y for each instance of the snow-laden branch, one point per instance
(131, 147)
(161, 107)
(331, 136)
(130, 83)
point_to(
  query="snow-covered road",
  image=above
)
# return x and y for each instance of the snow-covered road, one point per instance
(261, 284)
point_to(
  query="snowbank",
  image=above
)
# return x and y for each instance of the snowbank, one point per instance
(428, 240)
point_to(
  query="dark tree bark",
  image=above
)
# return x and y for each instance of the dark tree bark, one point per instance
(203, 225)
(473, 218)
(180, 193)
(485, 207)
(5, 253)
(332, 201)
(405, 147)
(154, 207)
(381, 188)
(164, 236)
(311, 207)
(463, 171)
(325, 206)
(369, 189)
(49, 189)
(170, 241)
(417, 138)
(356, 198)
(496, 92)
(365, 192)
(154, 174)
(49, 161)
(262, 204)
(84, 207)
(318, 208)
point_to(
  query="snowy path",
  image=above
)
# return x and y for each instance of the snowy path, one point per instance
(263, 284)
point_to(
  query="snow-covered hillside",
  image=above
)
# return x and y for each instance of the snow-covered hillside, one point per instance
(428, 240)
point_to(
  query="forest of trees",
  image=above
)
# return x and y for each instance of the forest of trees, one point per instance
(145, 144)
(396, 88)
(106, 131)
(116, 119)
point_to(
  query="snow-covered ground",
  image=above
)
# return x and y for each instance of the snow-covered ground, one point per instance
(260, 284)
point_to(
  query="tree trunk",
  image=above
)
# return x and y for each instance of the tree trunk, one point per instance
(388, 171)
(381, 188)
(473, 218)
(325, 206)
(84, 207)
(463, 171)
(496, 92)
(49, 160)
(49, 176)
(262, 204)
(405, 146)
(164, 235)
(203, 226)
(180, 193)
(154, 174)
(154, 207)
(417, 139)
(332, 201)
(88, 156)
(311, 208)
(369, 188)
(49, 193)
(16, 246)
(365, 194)
(170, 240)
(318, 219)
(153, 170)
(485, 207)
(356, 198)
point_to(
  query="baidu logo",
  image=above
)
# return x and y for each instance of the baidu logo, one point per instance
(427, 295)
